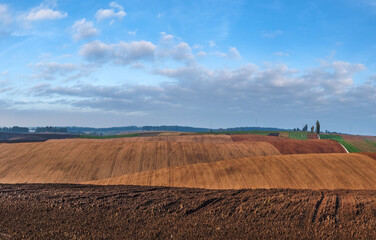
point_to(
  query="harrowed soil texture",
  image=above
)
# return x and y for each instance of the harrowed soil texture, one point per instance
(63, 211)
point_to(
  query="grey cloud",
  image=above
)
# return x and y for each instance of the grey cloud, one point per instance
(54, 70)
(196, 86)
(83, 29)
(233, 53)
(271, 92)
(120, 53)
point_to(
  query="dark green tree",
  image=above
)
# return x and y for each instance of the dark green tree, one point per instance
(317, 127)
(305, 128)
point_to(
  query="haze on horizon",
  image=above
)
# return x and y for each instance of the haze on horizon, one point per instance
(233, 63)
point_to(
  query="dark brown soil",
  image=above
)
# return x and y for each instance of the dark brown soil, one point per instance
(54, 211)
(32, 137)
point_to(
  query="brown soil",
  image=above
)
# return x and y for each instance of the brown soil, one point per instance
(284, 134)
(312, 136)
(304, 171)
(371, 155)
(78, 160)
(363, 145)
(132, 212)
(357, 137)
(182, 138)
(293, 146)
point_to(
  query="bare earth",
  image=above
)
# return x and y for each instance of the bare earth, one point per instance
(286, 176)
(298, 171)
(56, 211)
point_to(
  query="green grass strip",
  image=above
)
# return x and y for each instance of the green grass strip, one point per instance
(371, 142)
(350, 148)
(298, 135)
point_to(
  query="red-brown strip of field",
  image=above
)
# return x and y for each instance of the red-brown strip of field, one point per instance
(293, 146)
(312, 136)
(299, 171)
(182, 138)
(357, 137)
(371, 155)
(54, 211)
(78, 160)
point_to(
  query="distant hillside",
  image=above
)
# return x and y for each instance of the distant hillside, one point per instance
(114, 130)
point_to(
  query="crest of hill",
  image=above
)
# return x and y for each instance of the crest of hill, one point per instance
(78, 160)
(293, 146)
(300, 171)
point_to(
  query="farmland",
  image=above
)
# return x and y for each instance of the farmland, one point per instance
(298, 135)
(303, 171)
(351, 148)
(57, 211)
(114, 186)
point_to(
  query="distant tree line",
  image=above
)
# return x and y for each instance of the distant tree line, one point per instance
(51, 129)
(15, 129)
(305, 128)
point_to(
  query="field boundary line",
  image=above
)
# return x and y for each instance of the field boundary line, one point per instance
(318, 135)
(344, 147)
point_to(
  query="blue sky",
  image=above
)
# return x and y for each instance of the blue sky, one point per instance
(232, 63)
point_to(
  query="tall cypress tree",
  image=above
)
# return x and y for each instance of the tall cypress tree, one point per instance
(318, 127)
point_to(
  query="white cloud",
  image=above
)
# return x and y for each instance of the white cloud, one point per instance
(268, 91)
(120, 53)
(5, 16)
(271, 34)
(281, 54)
(111, 13)
(232, 53)
(335, 77)
(245, 88)
(166, 37)
(133, 33)
(44, 14)
(179, 52)
(83, 29)
(212, 44)
(201, 54)
(55, 70)
(116, 5)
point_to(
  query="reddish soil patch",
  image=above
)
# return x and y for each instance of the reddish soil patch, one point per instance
(312, 136)
(308, 146)
(256, 138)
(293, 146)
(357, 137)
(371, 155)
(129, 212)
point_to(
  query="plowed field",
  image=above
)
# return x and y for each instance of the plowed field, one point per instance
(293, 146)
(305, 171)
(74, 161)
(179, 138)
(134, 212)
